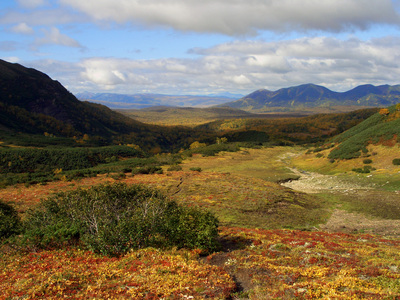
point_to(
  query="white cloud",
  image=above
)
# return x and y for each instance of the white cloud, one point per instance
(337, 64)
(54, 36)
(239, 17)
(22, 28)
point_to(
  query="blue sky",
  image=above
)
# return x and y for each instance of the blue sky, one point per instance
(204, 47)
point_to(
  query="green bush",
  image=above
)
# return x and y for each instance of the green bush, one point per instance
(366, 169)
(213, 149)
(190, 228)
(148, 170)
(10, 223)
(113, 218)
(196, 169)
(396, 161)
(175, 168)
(367, 161)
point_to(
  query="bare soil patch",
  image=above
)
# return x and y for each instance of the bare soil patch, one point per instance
(342, 220)
(311, 182)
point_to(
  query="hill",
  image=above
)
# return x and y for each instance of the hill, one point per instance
(34, 104)
(139, 101)
(381, 128)
(188, 116)
(370, 147)
(311, 96)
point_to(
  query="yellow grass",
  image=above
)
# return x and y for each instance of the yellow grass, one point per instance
(267, 163)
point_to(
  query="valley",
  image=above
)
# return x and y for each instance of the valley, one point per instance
(213, 203)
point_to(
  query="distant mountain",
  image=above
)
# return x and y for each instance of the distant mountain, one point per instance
(311, 95)
(32, 103)
(138, 101)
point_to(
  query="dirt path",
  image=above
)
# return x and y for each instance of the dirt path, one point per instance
(341, 220)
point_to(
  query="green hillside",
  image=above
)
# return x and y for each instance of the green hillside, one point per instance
(379, 128)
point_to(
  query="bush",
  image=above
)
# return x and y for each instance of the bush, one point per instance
(396, 161)
(195, 169)
(191, 228)
(148, 170)
(10, 223)
(114, 218)
(213, 149)
(366, 169)
(175, 168)
(367, 161)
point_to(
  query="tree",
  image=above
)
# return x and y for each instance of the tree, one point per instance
(196, 145)
(384, 112)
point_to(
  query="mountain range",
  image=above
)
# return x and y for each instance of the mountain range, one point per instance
(139, 101)
(294, 98)
(311, 95)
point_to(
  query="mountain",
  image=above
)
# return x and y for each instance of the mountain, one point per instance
(32, 95)
(139, 101)
(33, 103)
(311, 95)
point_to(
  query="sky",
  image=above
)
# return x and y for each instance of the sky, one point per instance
(201, 47)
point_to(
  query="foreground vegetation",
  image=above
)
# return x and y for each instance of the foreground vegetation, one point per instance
(269, 264)
(254, 261)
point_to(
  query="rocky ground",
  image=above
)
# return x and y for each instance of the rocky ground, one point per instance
(342, 220)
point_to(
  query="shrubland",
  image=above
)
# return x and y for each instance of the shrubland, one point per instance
(115, 218)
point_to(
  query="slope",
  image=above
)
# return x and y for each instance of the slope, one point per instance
(32, 103)
(379, 128)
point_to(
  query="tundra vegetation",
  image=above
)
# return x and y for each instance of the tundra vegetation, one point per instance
(209, 221)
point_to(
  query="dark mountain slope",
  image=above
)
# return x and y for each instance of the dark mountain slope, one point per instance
(31, 102)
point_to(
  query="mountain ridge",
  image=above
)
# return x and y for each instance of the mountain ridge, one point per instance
(312, 95)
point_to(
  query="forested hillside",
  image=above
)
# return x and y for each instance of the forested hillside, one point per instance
(32, 103)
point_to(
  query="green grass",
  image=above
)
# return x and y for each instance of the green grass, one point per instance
(264, 163)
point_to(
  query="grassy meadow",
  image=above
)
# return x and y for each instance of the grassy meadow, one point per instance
(271, 244)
